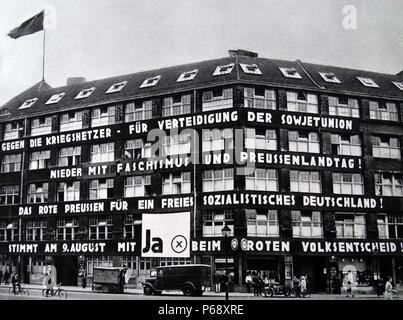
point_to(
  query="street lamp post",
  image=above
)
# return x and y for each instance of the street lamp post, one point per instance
(225, 231)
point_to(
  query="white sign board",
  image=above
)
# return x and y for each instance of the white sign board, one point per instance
(166, 235)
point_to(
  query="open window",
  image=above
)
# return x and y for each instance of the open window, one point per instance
(117, 87)
(250, 68)
(85, 93)
(368, 82)
(150, 82)
(188, 75)
(223, 69)
(329, 77)
(28, 103)
(290, 73)
(55, 98)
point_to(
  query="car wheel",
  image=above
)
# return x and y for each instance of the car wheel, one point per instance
(188, 290)
(269, 292)
(148, 291)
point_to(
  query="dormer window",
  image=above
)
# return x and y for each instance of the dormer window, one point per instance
(55, 98)
(290, 73)
(188, 75)
(4, 112)
(368, 82)
(329, 77)
(28, 103)
(398, 84)
(85, 93)
(250, 68)
(224, 69)
(116, 87)
(150, 82)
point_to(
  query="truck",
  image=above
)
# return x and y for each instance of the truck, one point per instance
(191, 279)
(108, 279)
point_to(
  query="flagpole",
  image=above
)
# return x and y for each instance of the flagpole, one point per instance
(43, 56)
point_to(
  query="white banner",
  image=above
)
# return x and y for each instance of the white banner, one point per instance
(166, 235)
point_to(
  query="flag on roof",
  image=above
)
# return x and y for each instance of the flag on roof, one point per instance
(30, 26)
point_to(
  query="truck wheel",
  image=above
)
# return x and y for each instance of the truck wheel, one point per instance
(148, 291)
(187, 290)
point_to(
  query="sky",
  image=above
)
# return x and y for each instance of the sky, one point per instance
(103, 38)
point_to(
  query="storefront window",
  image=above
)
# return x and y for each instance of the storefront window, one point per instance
(360, 268)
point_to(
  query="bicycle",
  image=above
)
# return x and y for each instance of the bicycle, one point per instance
(59, 292)
(18, 290)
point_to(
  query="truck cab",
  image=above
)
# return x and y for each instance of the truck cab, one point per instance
(191, 279)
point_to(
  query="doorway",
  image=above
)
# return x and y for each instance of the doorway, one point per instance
(67, 270)
(314, 269)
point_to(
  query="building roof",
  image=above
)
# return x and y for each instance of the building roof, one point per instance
(269, 73)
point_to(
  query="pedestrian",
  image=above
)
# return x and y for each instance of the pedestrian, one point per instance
(224, 282)
(296, 285)
(248, 281)
(1, 275)
(230, 281)
(48, 284)
(83, 280)
(15, 280)
(302, 284)
(350, 283)
(389, 289)
(260, 283)
(6, 276)
(255, 283)
(217, 282)
(379, 287)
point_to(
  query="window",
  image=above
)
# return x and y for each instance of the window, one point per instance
(383, 111)
(102, 152)
(136, 149)
(395, 226)
(11, 163)
(302, 141)
(137, 186)
(368, 82)
(150, 82)
(116, 87)
(102, 116)
(305, 181)
(100, 228)
(348, 183)
(329, 77)
(350, 225)
(13, 130)
(71, 121)
(66, 229)
(302, 102)
(307, 224)
(290, 73)
(28, 103)
(35, 229)
(9, 194)
(9, 231)
(250, 68)
(215, 139)
(85, 93)
(143, 111)
(224, 69)
(260, 139)
(68, 191)
(98, 261)
(261, 179)
(39, 160)
(176, 183)
(69, 156)
(101, 189)
(222, 99)
(188, 75)
(262, 223)
(129, 224)
(386, 147)
(40, 126)
(213, 223)
(176, 144)
(382, 223)
(388, 184)
(174, 261)
(218, 180)
(344, 107)
(259, 98)
(398, 84)
(349, 145)
(55, 98)
(37, 192)
(172, 106)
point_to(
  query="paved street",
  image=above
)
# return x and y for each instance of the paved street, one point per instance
(77, 293)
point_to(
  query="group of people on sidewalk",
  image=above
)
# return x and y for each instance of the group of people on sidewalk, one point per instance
(15, 280)
(221, 280)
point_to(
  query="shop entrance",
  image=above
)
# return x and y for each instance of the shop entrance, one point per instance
(67, 270)
(268, 266)
(314, 269)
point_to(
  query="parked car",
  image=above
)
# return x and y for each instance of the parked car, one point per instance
(191, 279)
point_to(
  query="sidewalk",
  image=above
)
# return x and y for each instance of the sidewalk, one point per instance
(249, 296)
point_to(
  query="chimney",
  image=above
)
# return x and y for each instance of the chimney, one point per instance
(75, 81)
(244, 53)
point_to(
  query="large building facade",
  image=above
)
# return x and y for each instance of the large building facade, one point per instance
(301, 161)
